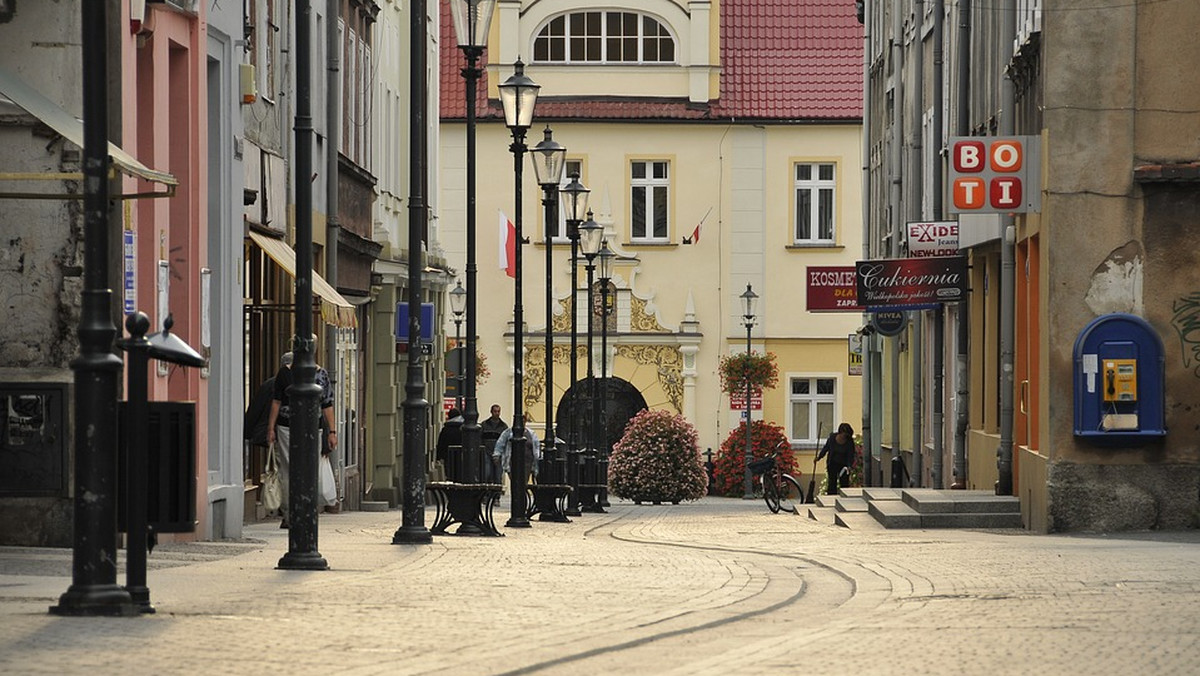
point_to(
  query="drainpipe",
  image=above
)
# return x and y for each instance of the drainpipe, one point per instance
(333, 138)
(917, 212)
(963, 329)
(894, 206)
(1004, 454)
(869, 382)
(939, 315)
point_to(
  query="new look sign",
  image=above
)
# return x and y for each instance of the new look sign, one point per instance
(899, 282)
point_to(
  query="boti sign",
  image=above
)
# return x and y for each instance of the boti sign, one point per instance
(995, 175)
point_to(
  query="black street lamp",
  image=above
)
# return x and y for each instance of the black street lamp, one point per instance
(304, 393)
(606, 261)
(412, 530)
(518, 95)
(748, 300)
(591, 235)
(471, 21)
(94, 589)
(458, 301)
(549, 158)
(575, 201)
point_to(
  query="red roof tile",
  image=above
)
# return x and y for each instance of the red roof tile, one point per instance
(780, 60)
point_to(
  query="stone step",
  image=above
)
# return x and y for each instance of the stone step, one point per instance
(850, 504)
(859, 521)
(877, 493)
(932, 501)
(373, 506)
(898, 514)
(820, 514)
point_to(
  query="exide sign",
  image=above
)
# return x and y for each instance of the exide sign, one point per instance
(929, 239)
(995, 174)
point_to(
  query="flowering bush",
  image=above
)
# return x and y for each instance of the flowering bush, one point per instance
(730, 471)
(657, 460)
(759, 369)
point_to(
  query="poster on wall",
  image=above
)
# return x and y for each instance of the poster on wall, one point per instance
(854, 343)
(911, 282)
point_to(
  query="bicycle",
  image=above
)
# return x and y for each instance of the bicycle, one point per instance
(778, 487)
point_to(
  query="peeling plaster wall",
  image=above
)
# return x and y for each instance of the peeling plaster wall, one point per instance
(41, 249)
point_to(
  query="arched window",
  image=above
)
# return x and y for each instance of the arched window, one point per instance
(604, 37)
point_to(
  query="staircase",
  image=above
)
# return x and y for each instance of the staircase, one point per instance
(917, 508)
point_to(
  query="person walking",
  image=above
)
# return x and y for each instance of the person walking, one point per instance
(279, 423)
(491, 429)
(502, 452)
(839, 453)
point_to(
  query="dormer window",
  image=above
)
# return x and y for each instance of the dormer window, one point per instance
(604, 37)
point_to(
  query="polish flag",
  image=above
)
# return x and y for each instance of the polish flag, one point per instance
(696, 234)
(508, 246)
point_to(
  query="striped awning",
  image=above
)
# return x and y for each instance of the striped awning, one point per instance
(335, 309)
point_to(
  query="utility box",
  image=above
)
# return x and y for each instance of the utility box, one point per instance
(33, 439)
(1120, 371)
(171, 467)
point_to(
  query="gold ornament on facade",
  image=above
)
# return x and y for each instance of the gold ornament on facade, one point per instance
(668, 362)
(562, 320)
(641, 321)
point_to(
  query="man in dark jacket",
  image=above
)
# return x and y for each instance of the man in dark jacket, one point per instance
(451, 435)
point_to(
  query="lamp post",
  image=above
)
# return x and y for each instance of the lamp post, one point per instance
(518, 95)
(458, 301)
(591, 234)
(606, 261)
(412, 529)
(575, 199)
(748, 300)
(304, 394)
(94, 589)
(549, 158)
(471, 21)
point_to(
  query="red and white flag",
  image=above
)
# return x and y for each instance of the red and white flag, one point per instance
(695, 238)
(508, 246)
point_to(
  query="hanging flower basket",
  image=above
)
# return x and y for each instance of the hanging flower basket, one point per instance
(759, 369)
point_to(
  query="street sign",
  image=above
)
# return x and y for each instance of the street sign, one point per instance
(855, 351)
(995, 175)
(911, 281)
(737, 402)
(831, 288)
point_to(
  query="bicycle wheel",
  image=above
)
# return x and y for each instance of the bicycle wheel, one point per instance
(770, 489)
(790, 493)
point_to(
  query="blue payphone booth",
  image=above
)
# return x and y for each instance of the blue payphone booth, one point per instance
(1119, 382)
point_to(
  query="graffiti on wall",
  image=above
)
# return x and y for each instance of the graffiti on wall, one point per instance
(1186, 320)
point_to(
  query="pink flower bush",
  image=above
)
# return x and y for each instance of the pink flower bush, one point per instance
(657, 460)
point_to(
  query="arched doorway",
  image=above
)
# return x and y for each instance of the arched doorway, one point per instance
(575, 414)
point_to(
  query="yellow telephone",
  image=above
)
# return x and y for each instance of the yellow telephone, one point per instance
(1120, 380)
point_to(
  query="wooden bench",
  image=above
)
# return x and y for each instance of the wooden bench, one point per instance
(469, 505)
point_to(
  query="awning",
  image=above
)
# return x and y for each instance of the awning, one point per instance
(335, 309)
(36, 104)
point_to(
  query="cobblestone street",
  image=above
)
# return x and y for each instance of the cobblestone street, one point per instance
(716, 587)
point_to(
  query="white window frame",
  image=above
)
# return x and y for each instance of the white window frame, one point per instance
(813, 436)
(643, 232)
(564, 33)
(814, 185)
